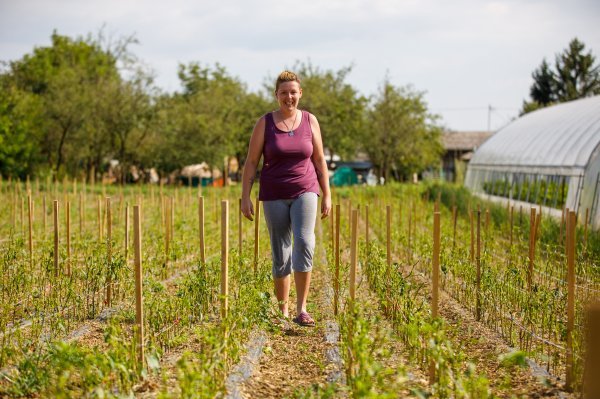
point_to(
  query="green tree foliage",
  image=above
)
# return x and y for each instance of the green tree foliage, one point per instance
(575, 76)
(544, 82)
(19, 115)
(210, 120)
(337, 105)
(77, 104)
(403, 136)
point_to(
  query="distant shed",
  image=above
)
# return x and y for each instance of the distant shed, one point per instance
(550, 157)
(459, 146)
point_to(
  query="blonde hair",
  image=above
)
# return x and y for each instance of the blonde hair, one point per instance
(286, 76)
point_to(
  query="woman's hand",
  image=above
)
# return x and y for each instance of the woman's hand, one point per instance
(247, 208)
(325, 206)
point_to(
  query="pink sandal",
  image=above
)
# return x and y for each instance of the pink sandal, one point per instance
(303, 319)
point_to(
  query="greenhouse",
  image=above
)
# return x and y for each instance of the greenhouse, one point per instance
(550, 157)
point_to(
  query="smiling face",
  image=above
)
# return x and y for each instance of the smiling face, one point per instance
(288, 95)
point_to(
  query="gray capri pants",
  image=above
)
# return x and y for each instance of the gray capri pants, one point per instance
(285, 217)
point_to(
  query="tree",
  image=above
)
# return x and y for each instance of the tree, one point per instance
(544, 85)
(19, 116)
(210, 120)
(403, 136)
(575, 76)
(337, 105)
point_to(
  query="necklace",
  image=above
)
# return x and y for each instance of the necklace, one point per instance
(290, 131)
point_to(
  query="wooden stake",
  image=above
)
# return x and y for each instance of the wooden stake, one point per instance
(435, 275)
(571, 249)
(240, 228)
(126, 244)
(388, 224)
(68, 228)
(109, 272)
(435, 282)
(139, 305)
(201, 228)
(56, 238)
(353, 255)
(478, 282)
(30, 225)
(531, 248)
(224, 257)
(167, 232)
(367, 231)
(256, 234)
(591, 378)
(336, 281)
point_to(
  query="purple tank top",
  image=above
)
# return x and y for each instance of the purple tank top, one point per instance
(288, 171)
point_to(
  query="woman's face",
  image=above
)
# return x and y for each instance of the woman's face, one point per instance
(288, 95)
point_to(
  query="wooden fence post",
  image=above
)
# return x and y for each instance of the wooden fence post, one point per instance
(139, 305)
(571, 249)
(201, 228)
(224, 257)
(353, 255)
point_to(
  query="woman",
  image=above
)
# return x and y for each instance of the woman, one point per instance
(294, 168)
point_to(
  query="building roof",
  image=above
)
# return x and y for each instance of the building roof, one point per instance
(464, 141)
(554, 140)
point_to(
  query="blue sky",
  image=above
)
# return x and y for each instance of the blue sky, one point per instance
(465, 54)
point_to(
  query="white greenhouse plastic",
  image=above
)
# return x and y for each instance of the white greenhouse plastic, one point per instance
(550, 157)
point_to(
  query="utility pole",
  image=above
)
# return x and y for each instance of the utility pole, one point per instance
(489, 129)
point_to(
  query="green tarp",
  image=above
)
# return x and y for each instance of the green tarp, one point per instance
(344, 176)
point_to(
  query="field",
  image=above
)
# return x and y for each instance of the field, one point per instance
(499, 325)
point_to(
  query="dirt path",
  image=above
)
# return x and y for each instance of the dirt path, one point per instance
(295, 360)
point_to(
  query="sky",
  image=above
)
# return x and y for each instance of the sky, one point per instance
(472, 59)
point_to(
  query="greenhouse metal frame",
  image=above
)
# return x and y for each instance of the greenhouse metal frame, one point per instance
(550, 158)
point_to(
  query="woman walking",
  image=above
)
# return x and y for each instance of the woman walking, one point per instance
(294, 169)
